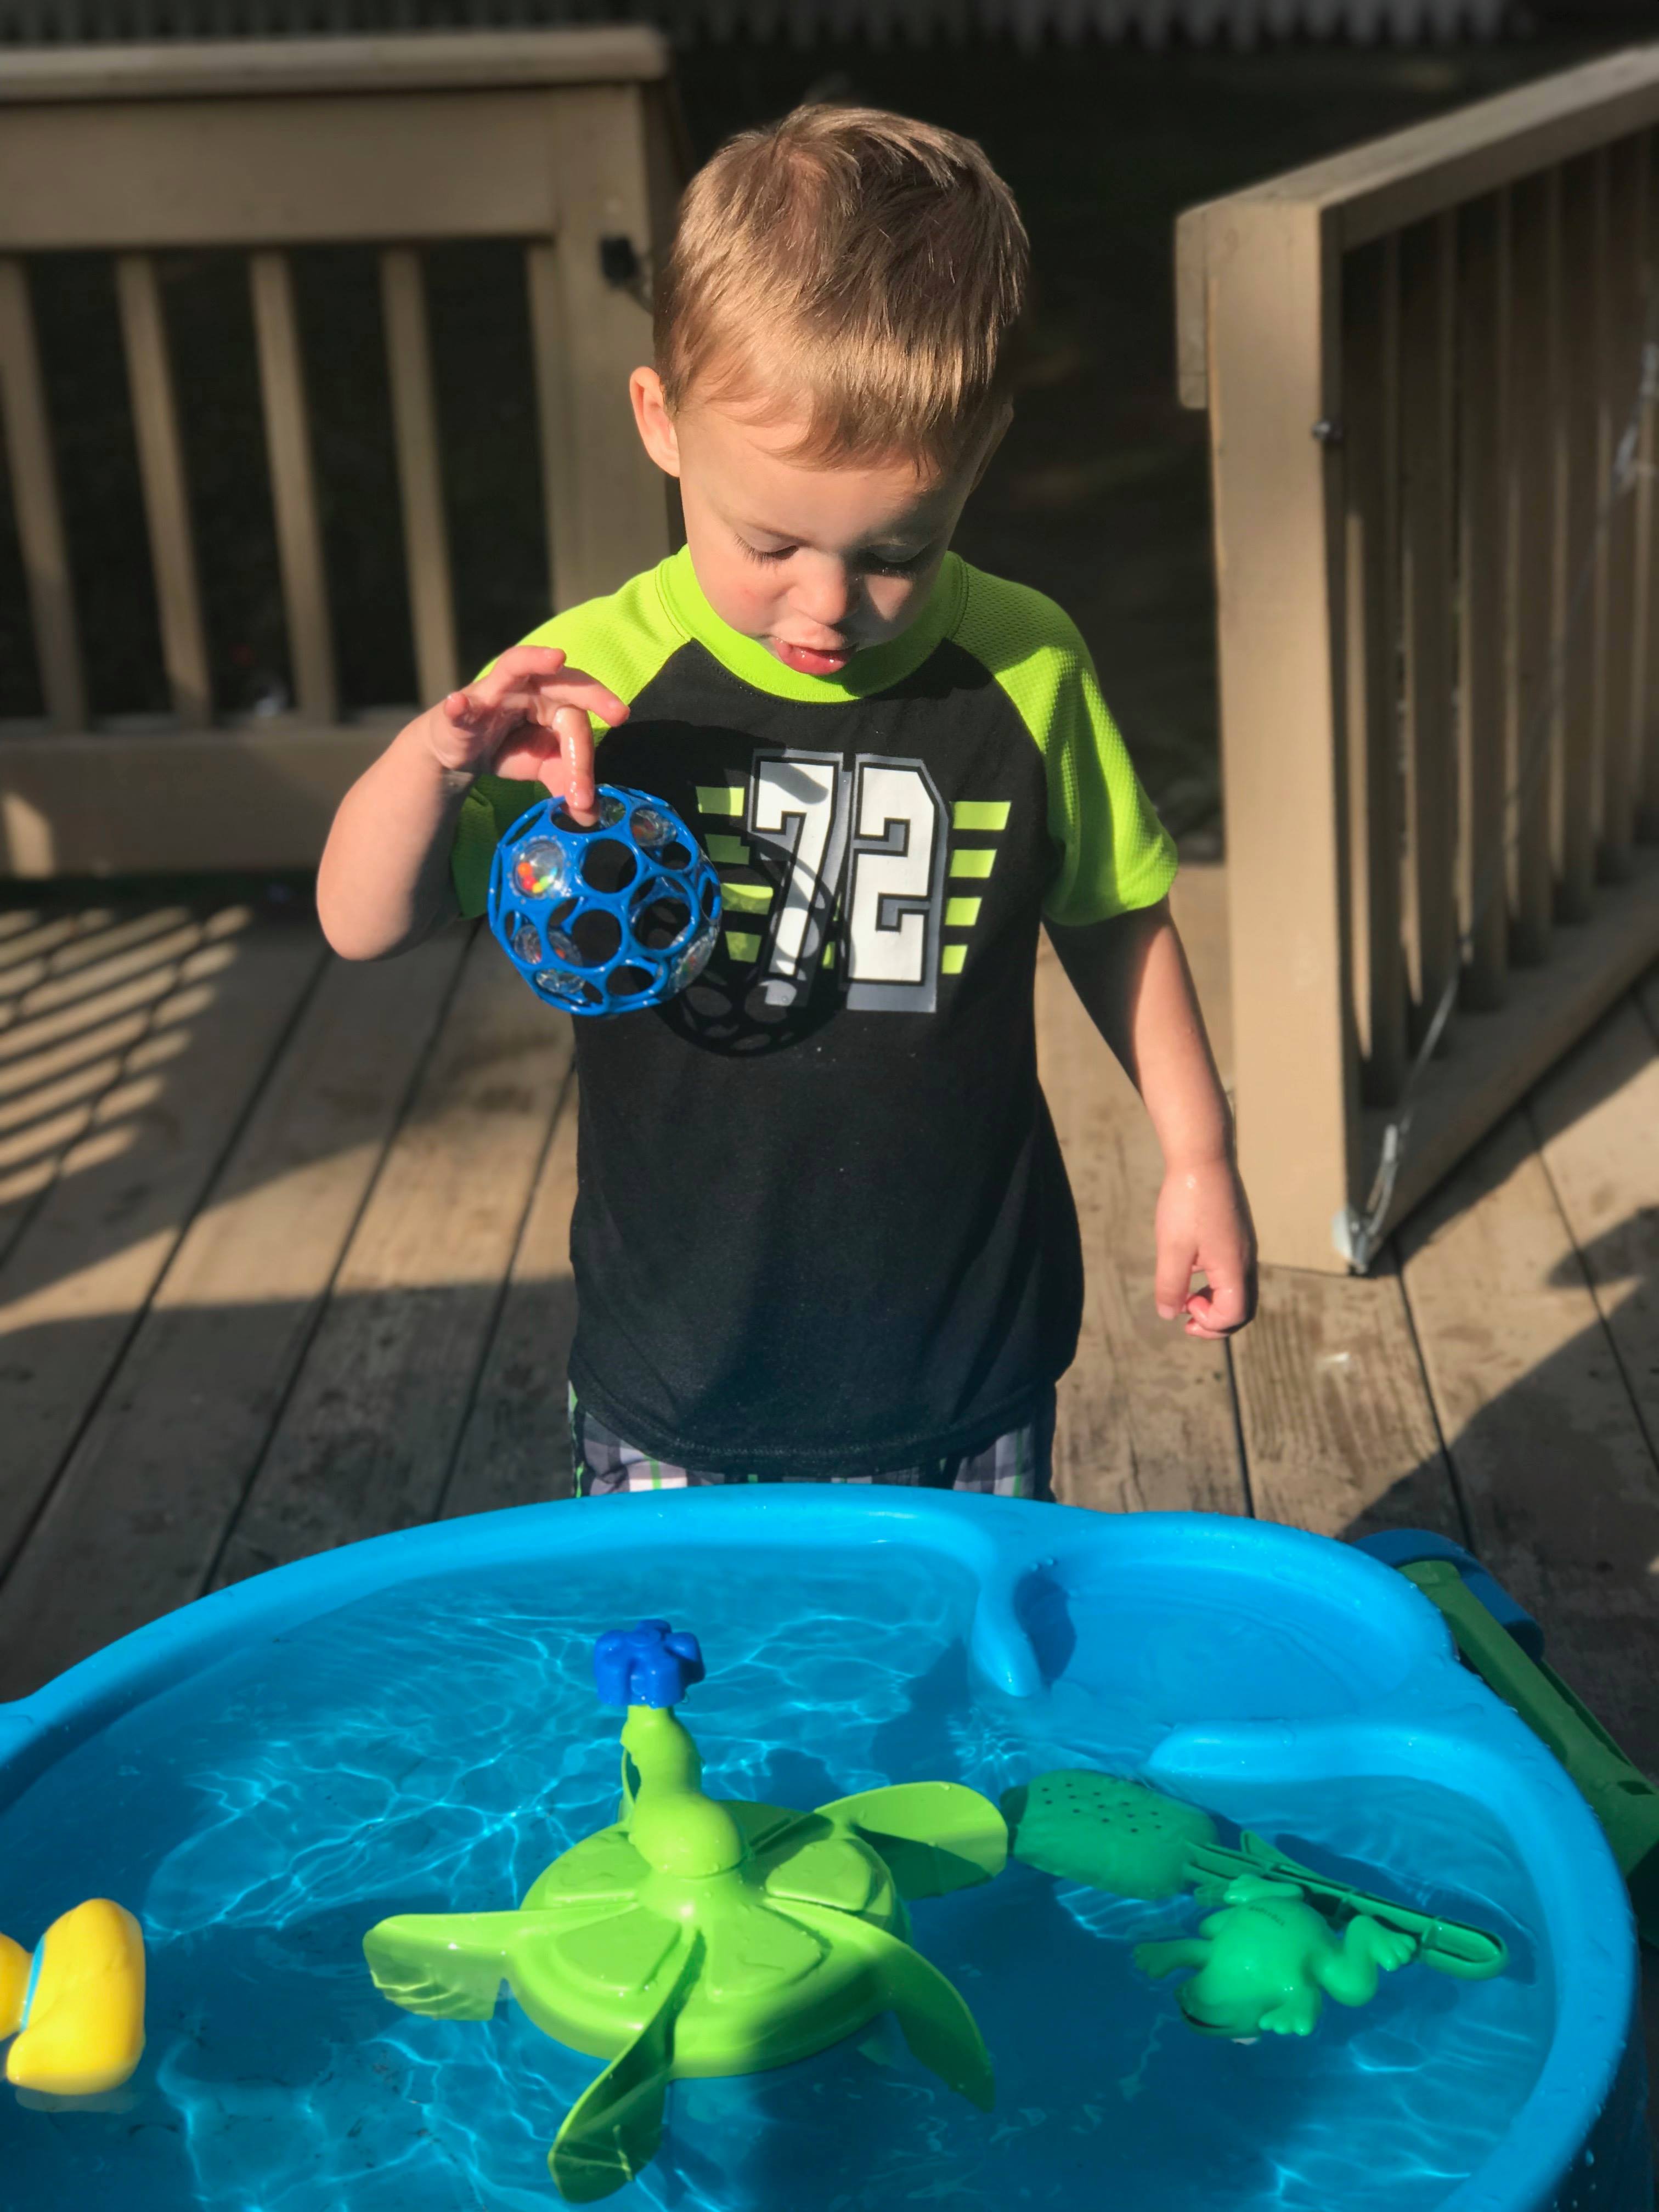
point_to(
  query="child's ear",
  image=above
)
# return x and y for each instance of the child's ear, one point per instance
(988, 452)
(653, 421)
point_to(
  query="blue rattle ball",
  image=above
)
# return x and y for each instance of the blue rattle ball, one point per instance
(605, 918)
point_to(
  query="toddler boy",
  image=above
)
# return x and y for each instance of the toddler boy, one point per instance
(822, 1228)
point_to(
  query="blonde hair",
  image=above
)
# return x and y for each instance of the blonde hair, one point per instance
(857, 268)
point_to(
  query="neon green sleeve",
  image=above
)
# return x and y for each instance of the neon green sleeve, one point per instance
(1117, 855)
(624, 641)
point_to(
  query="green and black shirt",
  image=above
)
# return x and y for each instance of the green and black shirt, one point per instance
(822, 1224)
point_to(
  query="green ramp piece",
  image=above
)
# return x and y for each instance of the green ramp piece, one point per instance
(614, 2129)
(1131, 1840)
(935, 1837)
(935, 2021)
(1622, 1798)
(448, 1966)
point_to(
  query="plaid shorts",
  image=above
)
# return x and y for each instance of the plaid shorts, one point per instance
(1016, 1465)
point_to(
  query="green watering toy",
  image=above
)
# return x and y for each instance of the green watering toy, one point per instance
(1269, 1957)
(700, 1937)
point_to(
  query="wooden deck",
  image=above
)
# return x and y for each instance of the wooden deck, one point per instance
(282, 1263)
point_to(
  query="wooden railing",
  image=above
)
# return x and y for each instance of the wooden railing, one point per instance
(564, 140)
(1438, 584)
(1156, 22)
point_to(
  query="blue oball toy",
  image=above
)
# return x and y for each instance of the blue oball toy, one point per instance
(605, 918)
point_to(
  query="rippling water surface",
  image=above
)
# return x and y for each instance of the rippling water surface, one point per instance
(433, 1747)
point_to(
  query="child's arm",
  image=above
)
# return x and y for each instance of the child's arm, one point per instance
(1130, 973)
(383, 883)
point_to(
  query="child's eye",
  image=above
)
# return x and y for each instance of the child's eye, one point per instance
(774, 553)
(899, 564)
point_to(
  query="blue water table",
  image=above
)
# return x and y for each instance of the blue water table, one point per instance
(1169, 1860)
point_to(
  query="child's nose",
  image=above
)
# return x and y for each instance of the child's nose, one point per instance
(827, 595)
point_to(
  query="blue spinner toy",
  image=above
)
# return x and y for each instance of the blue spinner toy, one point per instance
(605, 918)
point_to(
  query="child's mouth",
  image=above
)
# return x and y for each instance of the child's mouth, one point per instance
(810, 661)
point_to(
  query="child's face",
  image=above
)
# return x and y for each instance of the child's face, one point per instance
(815, 561)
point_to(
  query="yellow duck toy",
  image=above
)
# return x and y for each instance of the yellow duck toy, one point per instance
(76, 2007)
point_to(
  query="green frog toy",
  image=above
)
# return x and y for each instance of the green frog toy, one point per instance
(1268, 1960)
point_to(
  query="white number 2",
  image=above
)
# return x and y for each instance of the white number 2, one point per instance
(895, 882)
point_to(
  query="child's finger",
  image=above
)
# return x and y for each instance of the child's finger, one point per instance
(1173, 1279)
(576, 746)
(1219, 1310)
(561, 756)
(1199, 1320)
(510, 683)
(462, 708)
(576, 688)
(534, 661)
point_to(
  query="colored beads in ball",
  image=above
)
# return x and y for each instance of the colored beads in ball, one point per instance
(605, 917)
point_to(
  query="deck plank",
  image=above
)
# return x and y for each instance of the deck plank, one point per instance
(1146, 1412)
(366, 1439)
(1598, 1121)
(1556, 1473)
(28, 941)
(72, 1003)
(515, 1448)
(135, 1525)
(1338, 1429)
(75, 1282)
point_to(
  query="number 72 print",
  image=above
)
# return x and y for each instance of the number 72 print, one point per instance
(864, 845)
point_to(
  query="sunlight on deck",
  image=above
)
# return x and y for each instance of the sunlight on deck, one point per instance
(93, 1008)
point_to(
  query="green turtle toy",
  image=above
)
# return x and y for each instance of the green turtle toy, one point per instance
(699, 1937)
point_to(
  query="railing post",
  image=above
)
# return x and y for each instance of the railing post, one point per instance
(1580, 553)
(293, 487)
(39, 511)
(1484, 347)
(1646, 678)
(1273, 316)
(619, 503)
(420, 471)
(1531, 537)
(1620, 647)
(1427, 330)
(167, 494)
(554, 421)
(1370, 467)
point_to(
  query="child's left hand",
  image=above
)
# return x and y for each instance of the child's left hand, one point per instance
(1203, 1226)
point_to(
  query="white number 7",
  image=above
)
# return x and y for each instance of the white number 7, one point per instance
(794, 806)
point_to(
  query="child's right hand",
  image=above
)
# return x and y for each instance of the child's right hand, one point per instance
(528, 718)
